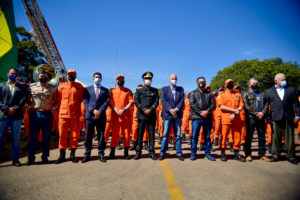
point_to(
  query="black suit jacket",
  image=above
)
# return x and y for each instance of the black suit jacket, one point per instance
(17, 100)
(146, 98)
(282, 109)
(91, 103)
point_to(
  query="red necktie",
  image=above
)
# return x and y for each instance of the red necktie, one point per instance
(97, 93)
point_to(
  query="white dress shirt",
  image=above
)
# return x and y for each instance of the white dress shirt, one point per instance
(280, 92)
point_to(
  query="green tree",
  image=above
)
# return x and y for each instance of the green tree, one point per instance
(264, 71)
(29, 55)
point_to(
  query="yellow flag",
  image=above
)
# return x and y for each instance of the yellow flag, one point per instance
(5, 37)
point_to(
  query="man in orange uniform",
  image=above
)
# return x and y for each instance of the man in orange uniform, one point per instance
(70, 97)
(243, 118)
(218, 118)
(120, 101)
(108, 124)
(186, 117)
(231, 104)
(82, 120)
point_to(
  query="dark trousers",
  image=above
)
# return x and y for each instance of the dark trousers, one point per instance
(260, 126)
(142, 123)
(90, 129)
(39, 120)
(283, 128)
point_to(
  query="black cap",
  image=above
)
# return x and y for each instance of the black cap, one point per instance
(147, 75)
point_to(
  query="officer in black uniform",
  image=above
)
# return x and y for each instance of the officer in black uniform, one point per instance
(146, 100)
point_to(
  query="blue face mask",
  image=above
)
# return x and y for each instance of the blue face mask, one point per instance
(97, 81)
(283, 84)
(12, 77)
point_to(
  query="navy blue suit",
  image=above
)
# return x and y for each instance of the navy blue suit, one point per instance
(169, 102)
(91, 102)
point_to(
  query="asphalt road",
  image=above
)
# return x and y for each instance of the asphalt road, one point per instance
(148, 179)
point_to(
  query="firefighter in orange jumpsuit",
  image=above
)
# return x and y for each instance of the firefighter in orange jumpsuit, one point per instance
(82, 120)
(231, 104)
(108, 124)
(186, 117)
(70, 97)
(243, 118)
(121, 100)
(218, 118)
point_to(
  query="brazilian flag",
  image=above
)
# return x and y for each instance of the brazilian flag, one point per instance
(8, 39)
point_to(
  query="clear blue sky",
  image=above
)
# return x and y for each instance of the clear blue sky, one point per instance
(188, 38)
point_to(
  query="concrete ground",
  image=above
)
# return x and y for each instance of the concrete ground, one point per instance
(147, 179)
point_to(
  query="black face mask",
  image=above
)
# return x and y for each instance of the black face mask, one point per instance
(71, 78)
(120, 82)
(202, 84)
(43, 80)
(230, 86)
(254, 86)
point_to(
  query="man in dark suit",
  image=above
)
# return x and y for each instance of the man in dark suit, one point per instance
(283, 103)
(96, 100)
(12, 98)
(172, 99)
(146, 100)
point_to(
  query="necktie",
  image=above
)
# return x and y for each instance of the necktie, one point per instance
(97, 93)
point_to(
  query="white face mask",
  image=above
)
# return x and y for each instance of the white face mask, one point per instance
(148, 82)
(173, 82)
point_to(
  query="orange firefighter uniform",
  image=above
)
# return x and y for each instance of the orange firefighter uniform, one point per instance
(70, 97)
(231, 99)
(120, 97)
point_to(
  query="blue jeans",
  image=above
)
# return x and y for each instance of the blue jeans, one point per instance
(177, 132)
(207, 125)
(39, 121)
(15, 125)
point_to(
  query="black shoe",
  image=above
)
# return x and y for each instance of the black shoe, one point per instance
(275, 159)
(161, 157)
(133, 147)
(17, 163)
(216, 143)
(183, 138)
(223, 155)
(62, 156)
(153, 157)
(137, 157)
(30, 162)
(72, 156)
(102, 159)
(126, 157)
(293, 161)
(238, 157)
(85, 159)
(112, 153)
(45, 161)
(201, 148)
(180, 158)
(159, 140)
